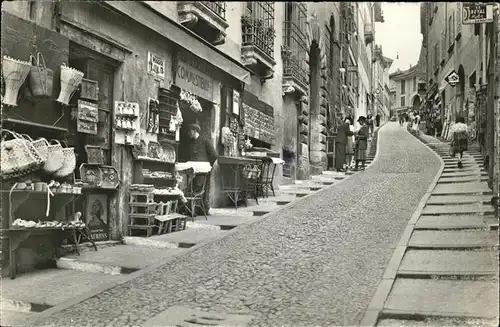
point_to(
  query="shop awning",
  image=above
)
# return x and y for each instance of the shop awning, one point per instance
(144, 14)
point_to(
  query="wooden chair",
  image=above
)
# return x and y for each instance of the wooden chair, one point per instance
(194, 194)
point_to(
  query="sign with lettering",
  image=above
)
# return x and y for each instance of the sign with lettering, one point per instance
(192, 76)
(475, 13)
(453, 79)
(97, 216)
(156, 65)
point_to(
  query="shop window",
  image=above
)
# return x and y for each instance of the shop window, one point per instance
(101, 70)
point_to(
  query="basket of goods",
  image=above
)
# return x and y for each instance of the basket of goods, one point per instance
(14, 73)
(55, 157)
(18, 156)
(70, 80)
(69, 163)
(41, 78)
(251, 172)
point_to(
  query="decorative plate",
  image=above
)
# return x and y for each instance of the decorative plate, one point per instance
(153, 150)
(91, 175)
(95, 155)
(110, 178)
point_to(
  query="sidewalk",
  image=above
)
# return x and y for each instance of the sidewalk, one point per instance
(445, 269)
(112, 265)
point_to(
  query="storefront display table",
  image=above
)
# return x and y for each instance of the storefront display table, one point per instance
(233, 183)
(19, 235)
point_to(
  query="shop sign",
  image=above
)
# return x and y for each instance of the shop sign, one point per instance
(453, 79)
(236, 102)
(476, 13)
(156, 65)
(192, 76)
(96, 217)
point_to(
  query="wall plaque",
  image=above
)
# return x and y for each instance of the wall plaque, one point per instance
(96, 216)
(156, 65)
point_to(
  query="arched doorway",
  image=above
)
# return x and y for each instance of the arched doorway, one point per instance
(416, 102)
(460, 92)
(315, 150)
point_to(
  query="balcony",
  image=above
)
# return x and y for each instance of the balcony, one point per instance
(369, 35)
(257, 49)
(293, 53)
(205, 18)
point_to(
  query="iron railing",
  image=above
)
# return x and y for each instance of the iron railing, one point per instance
(294, 42)
(258, 26)
(218, 7)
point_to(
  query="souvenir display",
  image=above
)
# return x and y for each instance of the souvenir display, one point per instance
(167, 153)
(153, 122)
(69, 163)
(110, 177)
(20, 223)
(191, 99)
(14, 73)
(91, 175)
(41, 78)
(55, 157)
(258, 124)
(70, 80)
(95, 155)
(153, 150)
(89, 90)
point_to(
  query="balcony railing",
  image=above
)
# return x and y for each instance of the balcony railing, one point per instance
(256, 32)
(218, 7)
(369, 37)
(294, 53)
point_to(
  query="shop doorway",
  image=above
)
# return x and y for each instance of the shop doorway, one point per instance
(203, 119)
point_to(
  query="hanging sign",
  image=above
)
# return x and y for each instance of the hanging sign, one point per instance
(156, 65)
(452, 79)
(475, 13)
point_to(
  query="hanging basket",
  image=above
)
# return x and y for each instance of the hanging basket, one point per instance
(69, 163)
(41, 78)
(14, 73)
(18, 157)
(55, 157)
(70, 80)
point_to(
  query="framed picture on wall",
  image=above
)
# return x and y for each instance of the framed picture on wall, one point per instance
(156, 66)
(236, 102)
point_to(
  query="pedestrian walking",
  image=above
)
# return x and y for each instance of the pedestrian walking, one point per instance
(361, 145)
(343, 132)
(401, 120)
(416, 123)
(459, 134)
(349, 152)
(369, 122)
(377, 120)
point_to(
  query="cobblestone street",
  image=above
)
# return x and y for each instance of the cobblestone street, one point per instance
(317, 262)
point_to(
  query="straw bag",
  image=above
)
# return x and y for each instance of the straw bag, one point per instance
(40, 146)
(41, 78)
(69, 163)
(55, 157)
(18, 157)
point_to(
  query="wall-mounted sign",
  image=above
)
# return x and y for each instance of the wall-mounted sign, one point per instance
(475, 13)
(156, 65)
(236, 102)
(192, 76)
(97, 216)
(453, 79)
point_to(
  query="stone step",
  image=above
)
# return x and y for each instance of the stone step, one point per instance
(230, 212)
(450, 222)
(15, 318)
(226, 223)
(298, 192)
(463, 179)
(441, 262)
(445, 298)
(461, 188)
(186, 238)
(464, 209)
(261, 210)
(452, 239)
(458, 199)
(476, 172)
(116, 260)
(437, 321)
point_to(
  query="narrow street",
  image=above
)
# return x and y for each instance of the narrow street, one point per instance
(315, 263)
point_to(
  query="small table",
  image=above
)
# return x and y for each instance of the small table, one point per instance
(234, 189)
(19, 235)
(266, 179)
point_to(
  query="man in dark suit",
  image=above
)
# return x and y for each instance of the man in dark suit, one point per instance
(343, 132)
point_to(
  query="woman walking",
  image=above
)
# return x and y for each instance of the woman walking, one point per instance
(349, 149)
(343, 132)
(361, 146)
(459, 139)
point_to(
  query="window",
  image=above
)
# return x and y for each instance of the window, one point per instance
(403, 87)
(403, 101)
(258, 26)
(451, 26)
(414, 84)
(294, 41)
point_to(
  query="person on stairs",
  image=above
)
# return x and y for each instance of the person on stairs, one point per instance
(361, 145)
(459, 135)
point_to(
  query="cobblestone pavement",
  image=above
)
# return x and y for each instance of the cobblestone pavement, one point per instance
(315, 263)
